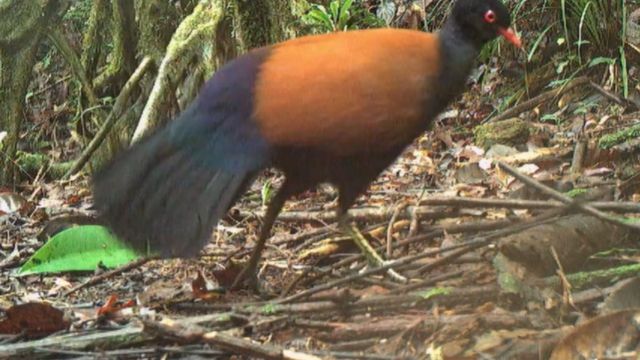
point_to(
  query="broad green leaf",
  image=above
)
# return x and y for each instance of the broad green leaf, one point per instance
(345, 13)
(320, 17)
(334, 10)
(79, 248)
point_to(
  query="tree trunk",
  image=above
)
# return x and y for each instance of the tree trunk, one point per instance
(22, 24)
(264, 22)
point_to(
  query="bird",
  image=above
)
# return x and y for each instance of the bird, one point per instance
(333, 108)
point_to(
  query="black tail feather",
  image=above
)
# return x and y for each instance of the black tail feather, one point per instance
(162, 199)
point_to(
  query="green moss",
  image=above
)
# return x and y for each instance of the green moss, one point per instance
(157, 20)
(268, 309)
(431, 293)
(610, 140)
(582, 280)
(31, 163)
(508, 132)
(576, 192)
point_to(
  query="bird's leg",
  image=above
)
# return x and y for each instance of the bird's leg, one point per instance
(367, 250)
(248, 275)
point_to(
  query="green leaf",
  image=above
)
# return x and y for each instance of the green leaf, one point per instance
(602, 60)
(344, 14)
(387, 11)
(79, 248)
(319, 17)
(537, 43)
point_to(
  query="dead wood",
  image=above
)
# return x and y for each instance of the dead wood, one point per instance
(119, 338)
(194, 334)
(577, 204)
(386, 327)
(542, 98)
(575, 238)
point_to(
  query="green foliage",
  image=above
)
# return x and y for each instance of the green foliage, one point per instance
(594, 22)
(608, 141)
(434, 292)
(78, 14)
(80, 248)
(574, 193)
(341, 15)
(266, 192)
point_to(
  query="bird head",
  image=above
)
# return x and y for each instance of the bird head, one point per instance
(485, 20)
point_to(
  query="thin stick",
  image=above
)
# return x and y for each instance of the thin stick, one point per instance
(475, 243)
(100, 278)
(236, 345)
(587, 209)
(544, 97)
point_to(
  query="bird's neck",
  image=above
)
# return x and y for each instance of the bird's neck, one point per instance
(459, 52)
(455, 33)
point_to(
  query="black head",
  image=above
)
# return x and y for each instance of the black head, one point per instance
(484, 20)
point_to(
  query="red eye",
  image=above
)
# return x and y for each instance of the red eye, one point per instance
(490, 17)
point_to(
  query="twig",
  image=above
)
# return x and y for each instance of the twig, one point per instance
(617, 206)
(566, 285)
(587, 209)
(438, 231)
(356, 214)
(544, 97)
(428, 212)
(390, 228)
(613, 97)
(100, 278)
(427, 282)
(174, 330)
(389, 265)
(120, 337)
(113, 117)
(460, 249)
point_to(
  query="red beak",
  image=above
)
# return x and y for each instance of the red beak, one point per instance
(511, 36)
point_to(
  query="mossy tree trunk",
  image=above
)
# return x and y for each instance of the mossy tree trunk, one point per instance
(263, 22)
(122, 60)
(22, 24)
(157, 20)
(95, 37)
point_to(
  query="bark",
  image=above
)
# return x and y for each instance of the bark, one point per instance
(157, 20)
(264, 22)
(122, 58)
(95, 36)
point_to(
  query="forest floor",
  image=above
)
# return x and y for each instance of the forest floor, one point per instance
(508, 261)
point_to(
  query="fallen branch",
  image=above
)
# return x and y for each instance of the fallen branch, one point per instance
(429, 212)
(194, 334)
(459, 249)
(102, 277)
(542, 98)
(104, 340)
(377, 214)
(585, 208)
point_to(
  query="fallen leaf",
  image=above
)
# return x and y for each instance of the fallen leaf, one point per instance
(11, 203)
(34, 319)
(606, 336)
(203, 289)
